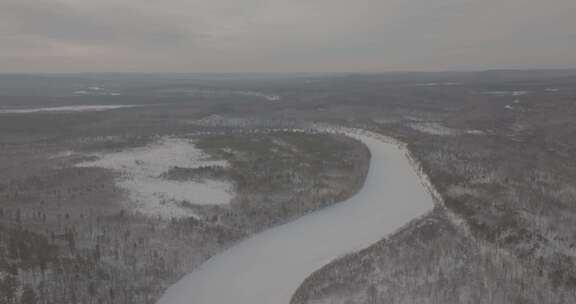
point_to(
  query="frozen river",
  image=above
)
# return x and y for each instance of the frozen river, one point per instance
(270, 266)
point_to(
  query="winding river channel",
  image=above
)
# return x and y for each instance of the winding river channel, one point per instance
(268, 267)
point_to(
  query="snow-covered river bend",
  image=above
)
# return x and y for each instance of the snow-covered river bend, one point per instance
(268, 267)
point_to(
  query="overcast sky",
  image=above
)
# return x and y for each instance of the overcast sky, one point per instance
(284, 35)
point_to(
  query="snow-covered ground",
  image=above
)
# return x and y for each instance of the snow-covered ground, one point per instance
(506, 93)
(434, 128)
(149, 193)
(96, 91)
(64, 109)
(437, 84)
(270, 266)
(221, 92)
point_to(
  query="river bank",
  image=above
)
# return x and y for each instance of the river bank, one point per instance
(270, 266)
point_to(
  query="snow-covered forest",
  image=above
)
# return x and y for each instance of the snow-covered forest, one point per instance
(117, 203)
(117, 219)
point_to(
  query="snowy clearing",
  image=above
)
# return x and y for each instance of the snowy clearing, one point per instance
(434, 128)
(269, 267)
(65, 109)
(506, 93)
(437, 84)
(141, 172)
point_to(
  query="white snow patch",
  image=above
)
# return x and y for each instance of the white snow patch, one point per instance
(270, 266)
(437, 84)
(269, 97)
(141, 175)
(218, 92)
(96, 91)
(64, 109)
(62, 154)
(475, 132)
(506, 93)
(433, 128)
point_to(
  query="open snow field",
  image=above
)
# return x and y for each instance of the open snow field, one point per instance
(269, 267)
(141, 175)
(65, 109)
(434, 128)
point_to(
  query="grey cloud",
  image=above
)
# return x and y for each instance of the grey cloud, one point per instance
(56, 21)
(284, 35)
